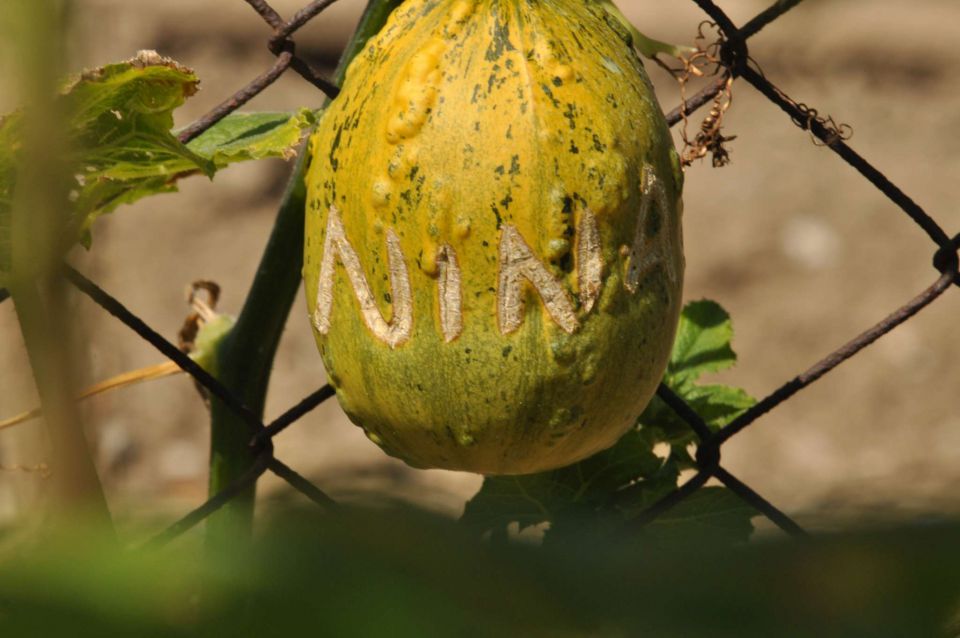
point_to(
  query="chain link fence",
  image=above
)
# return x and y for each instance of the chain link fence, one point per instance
(732, 53)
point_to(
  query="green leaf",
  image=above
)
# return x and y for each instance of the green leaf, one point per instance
(570, 492)
(702, 344)
(252, 136)
(631, 459)
(527, 500)
(636, 498)
(718, 404)
(403, 572)
(121, 117)
(711, 514)
(123, 148)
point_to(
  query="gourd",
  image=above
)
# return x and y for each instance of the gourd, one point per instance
(493, 255)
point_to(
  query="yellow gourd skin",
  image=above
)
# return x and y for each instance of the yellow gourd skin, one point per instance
(461, 120)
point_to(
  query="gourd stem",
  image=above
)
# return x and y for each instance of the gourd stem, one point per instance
(245, 357)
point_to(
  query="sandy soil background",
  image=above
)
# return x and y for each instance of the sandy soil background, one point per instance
(803, 252)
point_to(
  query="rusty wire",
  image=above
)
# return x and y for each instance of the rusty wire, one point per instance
(733, 61)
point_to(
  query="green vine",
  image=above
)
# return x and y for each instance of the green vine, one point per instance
(245, 357)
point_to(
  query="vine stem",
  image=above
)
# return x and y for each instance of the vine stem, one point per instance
(245, 357)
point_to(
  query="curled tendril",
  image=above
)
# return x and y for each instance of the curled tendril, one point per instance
(835, 132)
(705, 61)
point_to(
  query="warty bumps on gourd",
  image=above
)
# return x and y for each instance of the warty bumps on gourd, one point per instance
(493, 255)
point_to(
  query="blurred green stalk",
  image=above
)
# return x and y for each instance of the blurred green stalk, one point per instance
(245, 357)
(39, 218)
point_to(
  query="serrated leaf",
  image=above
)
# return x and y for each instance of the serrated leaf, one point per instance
(123, 148)
(669, 426)
(597, 524)
(636, 498)
(605, 521)
(587, 486)
(121, 117)
(527, 500)
(702, 344)
(718, 404)
(631, 459)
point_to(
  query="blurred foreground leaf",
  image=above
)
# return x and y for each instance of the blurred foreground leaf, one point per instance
(602, 493)
(122, 146)
(400, 573)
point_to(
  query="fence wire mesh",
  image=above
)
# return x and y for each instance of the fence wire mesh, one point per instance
(735, 60)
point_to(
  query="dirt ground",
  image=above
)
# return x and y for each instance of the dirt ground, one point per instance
(801, 250)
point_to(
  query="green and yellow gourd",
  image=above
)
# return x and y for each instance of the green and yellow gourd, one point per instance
(493, 259)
